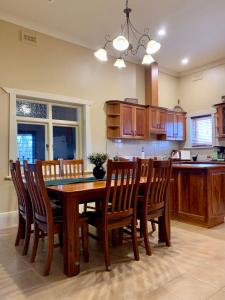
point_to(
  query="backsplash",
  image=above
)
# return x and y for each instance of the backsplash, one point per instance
(152, 148)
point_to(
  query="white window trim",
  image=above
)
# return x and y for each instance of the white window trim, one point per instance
(190, 115)
(57, 99)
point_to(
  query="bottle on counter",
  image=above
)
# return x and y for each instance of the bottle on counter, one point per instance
(142, 153)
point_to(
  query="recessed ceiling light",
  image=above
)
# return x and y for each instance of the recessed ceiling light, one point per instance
(51, 1)
(185, 61)
(162, 32)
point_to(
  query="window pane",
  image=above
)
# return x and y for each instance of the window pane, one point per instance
(64, 142)
(31, 109)
(64, 113)
(201, 131)
(31, 142)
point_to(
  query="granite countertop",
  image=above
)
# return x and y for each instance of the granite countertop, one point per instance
(197, 166)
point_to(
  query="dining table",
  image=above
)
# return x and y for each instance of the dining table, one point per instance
(72, 194)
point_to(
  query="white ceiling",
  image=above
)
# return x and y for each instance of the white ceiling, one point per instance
(195, 28)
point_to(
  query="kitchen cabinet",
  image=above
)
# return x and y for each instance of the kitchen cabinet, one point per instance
(220, 120)
(176, 126)
(157, 120)
(125, 120)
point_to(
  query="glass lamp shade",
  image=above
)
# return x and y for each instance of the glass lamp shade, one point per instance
(101, 54)
(153, 47)
(147, 59)
(120, 64)
(120, 43)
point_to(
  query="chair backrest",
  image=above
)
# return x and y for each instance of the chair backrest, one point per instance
(24, 202)
(122, 184)
(73, 168)
(42, 210)
(51, 168)
(156, 187)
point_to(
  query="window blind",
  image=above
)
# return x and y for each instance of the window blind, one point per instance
(201, 131)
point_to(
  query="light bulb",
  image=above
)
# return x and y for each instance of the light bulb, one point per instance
(120, 64)
(101, 54)
(120, 43)
(147, 59)
(153, 47)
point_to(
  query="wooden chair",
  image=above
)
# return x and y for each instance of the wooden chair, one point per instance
(73, 168)
(51, 168)
(119, 205)
(47, 215)
(24, 206)
(152, 203)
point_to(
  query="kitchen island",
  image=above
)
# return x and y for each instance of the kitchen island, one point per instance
(198, 193)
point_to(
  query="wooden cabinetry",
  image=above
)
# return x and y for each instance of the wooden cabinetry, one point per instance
(220, 120)
(157, 120)
(128, 121)
(176, 126)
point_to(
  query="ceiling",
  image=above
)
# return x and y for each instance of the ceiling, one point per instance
(195, 28)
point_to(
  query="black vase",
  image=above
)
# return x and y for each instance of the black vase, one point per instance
(99, 172)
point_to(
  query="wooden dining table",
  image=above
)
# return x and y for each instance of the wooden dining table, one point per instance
(71, 196)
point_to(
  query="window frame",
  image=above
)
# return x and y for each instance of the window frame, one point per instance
(51, 99)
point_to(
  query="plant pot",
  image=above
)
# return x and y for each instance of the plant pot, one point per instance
(99, 172)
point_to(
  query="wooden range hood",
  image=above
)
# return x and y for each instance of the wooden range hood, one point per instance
(151, 84)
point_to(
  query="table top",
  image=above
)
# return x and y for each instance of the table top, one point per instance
(198, 166)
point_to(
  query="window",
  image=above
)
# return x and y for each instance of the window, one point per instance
(201, 131)
(47, 131)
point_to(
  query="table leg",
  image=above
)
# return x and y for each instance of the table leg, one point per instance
(164, 224)
(71, 251)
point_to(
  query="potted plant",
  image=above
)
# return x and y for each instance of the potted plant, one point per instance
(98, 159)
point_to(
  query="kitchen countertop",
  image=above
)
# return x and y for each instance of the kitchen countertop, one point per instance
(197, 166)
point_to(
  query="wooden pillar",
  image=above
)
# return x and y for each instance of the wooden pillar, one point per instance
(151, 84)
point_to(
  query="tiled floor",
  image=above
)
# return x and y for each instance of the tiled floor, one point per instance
(193, 268)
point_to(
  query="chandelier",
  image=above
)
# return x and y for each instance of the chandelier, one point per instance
(123, 44)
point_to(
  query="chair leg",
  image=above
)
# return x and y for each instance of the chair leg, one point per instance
(35, 245)
(85, 207)
(105, 242)
(27, 238)
(19, 230)
(146, 238)
(153, 226)
(134, 239)
(50, 253)
(60, 235)
(164, 227)
(84, 237)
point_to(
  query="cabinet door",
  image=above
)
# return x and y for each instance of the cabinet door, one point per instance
(140, 123)
(180, 127)
(127, 119)
(162, 120)
(221, 121)
(153, 120)
(170, 126)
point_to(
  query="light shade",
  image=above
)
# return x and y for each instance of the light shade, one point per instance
(120, 63)
(153, 47)
(120, 43)
(101, 54)
(147, 59)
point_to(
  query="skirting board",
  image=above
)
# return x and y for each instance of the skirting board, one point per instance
(8, 219)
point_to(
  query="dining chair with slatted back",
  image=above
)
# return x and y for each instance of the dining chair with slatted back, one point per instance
(51, 168)
(24, 206)
(47, 215)
(119, 205)
(153, 203)
(73, 168)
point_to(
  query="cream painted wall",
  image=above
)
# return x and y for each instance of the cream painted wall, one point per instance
(59, 67)
(202, 94)
(168, 90)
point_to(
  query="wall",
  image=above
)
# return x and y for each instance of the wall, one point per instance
(58, 67)
(199, 96)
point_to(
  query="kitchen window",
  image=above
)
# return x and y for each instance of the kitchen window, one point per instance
(201, 131)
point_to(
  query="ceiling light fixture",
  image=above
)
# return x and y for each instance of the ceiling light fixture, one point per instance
(162, 32)
(123, 44)
(185, 61)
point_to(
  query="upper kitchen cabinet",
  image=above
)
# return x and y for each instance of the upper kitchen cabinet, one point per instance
(125, 120)
(157, 120)
(220, 120)
(176, 126)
